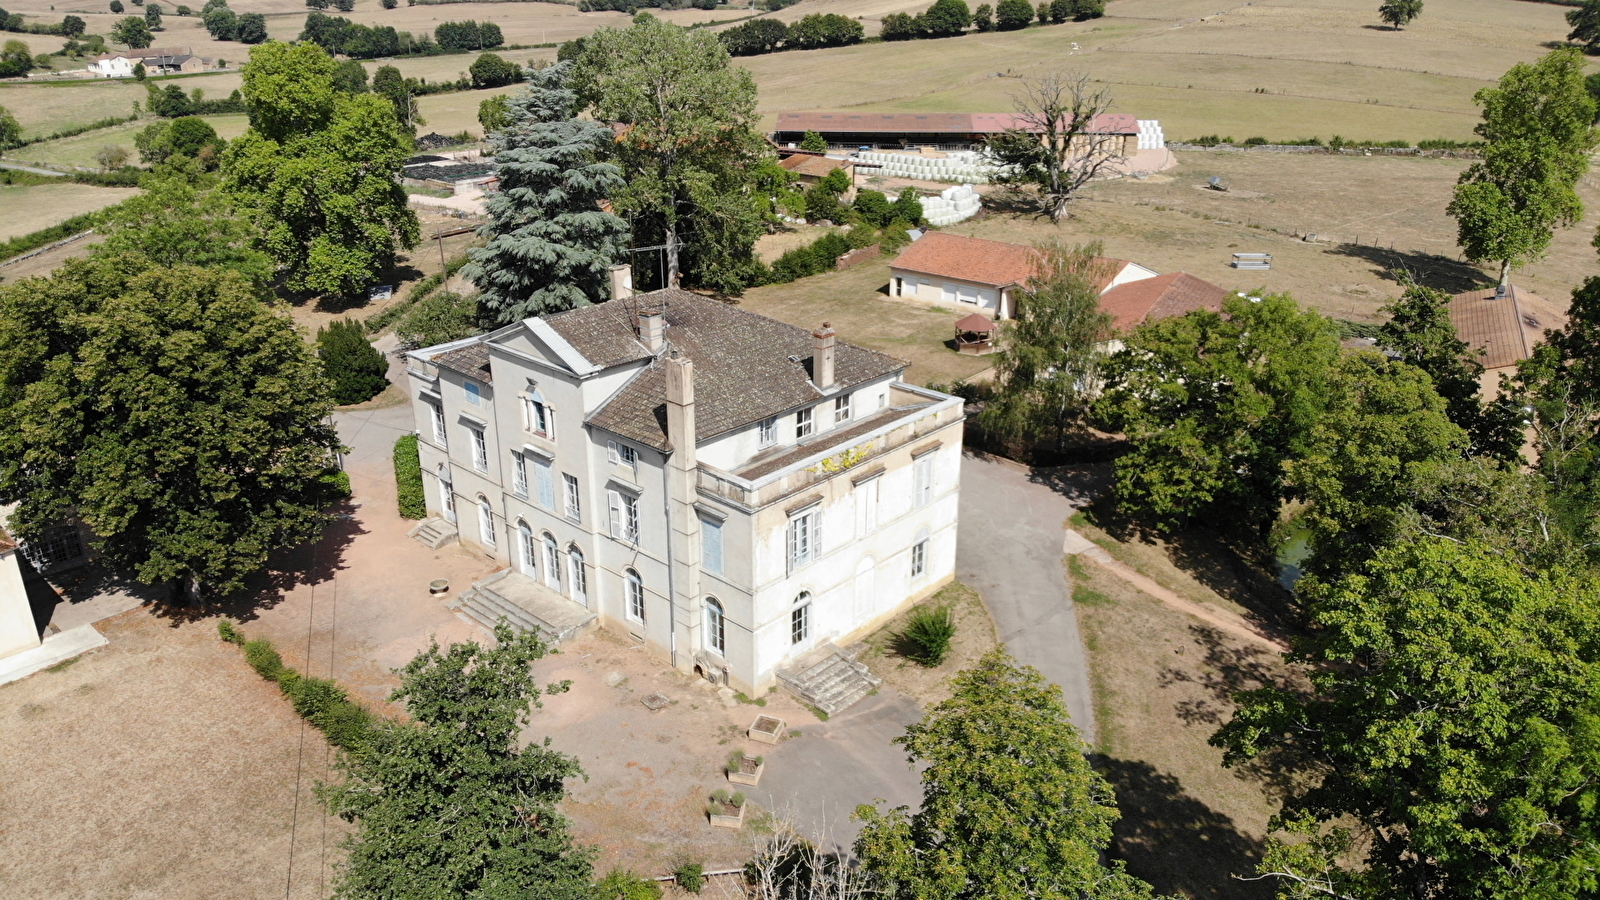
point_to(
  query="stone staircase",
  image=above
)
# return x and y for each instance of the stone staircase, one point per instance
(829, 679)
(525, 605)
(434, 532)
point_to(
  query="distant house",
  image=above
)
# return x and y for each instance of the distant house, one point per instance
(156, 61)
(950, 268)
(1132, 303)
(809, 169)
(956, 131)
(1505, 329)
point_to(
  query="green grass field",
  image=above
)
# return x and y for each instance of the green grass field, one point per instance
(80, 150)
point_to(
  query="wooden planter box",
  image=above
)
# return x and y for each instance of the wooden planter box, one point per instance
(724, 816)
(746, 774)
(767, 729)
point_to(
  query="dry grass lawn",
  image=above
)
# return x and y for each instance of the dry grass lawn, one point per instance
(855, 303)
(80, 150)
(928, 685)
(32, 207)
(1163, 682)
(160, 766)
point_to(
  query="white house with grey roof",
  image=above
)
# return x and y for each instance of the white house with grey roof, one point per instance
(740, 495)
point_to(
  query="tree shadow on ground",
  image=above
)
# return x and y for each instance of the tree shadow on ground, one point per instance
(315, 562)
(1428, 269)
(1081, 484)
(1175, 841)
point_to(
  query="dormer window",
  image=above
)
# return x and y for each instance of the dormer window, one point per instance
(802, 424)
(536, 415)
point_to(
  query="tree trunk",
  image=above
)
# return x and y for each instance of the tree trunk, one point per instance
(672, 255)
(1505, 274)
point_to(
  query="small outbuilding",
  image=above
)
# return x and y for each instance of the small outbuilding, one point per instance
(809, 169)
(1505, 328)
(975, 334)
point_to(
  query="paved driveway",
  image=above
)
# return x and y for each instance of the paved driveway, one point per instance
(1010, 550)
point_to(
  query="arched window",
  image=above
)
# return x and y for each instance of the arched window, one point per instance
(552, 562)
(800, 618)
(635, 587)
(485, 521)
(580, 578)
(716, 627)
(919, 554)
(525, 549)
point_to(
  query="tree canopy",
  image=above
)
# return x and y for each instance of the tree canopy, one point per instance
(1054, 151)
(1397, 14)
(1010, 806)
(687, 143)
(317, 172)
(1538, 129)
(446, 805)
(170, 409)
(551, 245)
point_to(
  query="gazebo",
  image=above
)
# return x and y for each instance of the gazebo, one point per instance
(975, 335)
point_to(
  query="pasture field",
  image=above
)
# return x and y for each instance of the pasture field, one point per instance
(47, 107)
(80, 150)
(35, 206)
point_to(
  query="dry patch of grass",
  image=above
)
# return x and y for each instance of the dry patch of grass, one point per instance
(853, 302)
(975, 636)
(160, 766)
(80, 150)
(35, 206)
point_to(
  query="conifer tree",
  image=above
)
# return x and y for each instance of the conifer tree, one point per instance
(550, 243)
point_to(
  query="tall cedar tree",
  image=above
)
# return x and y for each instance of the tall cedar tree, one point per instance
(1214, 405)
(1454, 716)
(550, 243)
(687, 142)
(1010, 806)
(356, 370)
(170, 409)
(1585, 22)
(1049, 361)
(318, 172)
(446, 804)
(1538, 129)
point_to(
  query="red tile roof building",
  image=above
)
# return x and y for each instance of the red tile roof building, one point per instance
(1135, 302)
(1506, 329)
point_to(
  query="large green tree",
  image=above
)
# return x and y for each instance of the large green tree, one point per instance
(388, 83)
(550, 242)
(687, 141)
(449, 804)
(1420, 332)
(178, 222)
(1214, 405)
(1453, 719)
(1050, 355)
(1538, 129)
(10, 131)
(170, 409)
(1585, 22)
(1010, 807)
(318, 172)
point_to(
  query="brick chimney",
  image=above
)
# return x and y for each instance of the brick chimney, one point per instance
(621, 281)
(822, 357)
(680, 409)
(652, 329)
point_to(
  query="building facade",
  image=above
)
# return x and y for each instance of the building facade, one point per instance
(731, 491)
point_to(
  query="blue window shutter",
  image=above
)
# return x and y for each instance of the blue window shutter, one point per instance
(711, 545)
(547, 491)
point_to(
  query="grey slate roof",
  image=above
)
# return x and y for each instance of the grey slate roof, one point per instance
(743, 372)
(471, 361)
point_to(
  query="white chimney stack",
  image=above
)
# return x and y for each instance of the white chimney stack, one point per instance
(621, 281)
(822, 356)
(652, 329)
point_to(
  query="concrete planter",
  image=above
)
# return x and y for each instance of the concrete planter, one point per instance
(747, 771)
(767, 729)
(726, 816)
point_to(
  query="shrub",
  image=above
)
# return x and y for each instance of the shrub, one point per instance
(620, 884)
(1255, 141)
(928, 634)
(356, 369)
(264, 659)
(690, 876)
(874, 207)
(345, 723)
(408, 478)
(229, 632)
(436, 319)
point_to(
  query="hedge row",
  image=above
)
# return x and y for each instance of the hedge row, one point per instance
(346, 724)
(74, 131)
(408, 478)
(23, 243)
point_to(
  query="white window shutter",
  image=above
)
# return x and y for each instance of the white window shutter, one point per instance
(611, 453)
(547, 493)
(614, 500)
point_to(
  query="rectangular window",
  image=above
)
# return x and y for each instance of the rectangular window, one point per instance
(867, 505)
(624, 510)
(883, 398)
(519, 474)
(919, 558)
(438, 424)
(621, 454)
(536, 416)
(841, 408)
(767, 432)
(574, 509)
(804, 539)
(544, 483)
(474, 393)
(480, 450)
(800, 624)
(948, 295)
(922, 491)
(802, 424)
(711, 545)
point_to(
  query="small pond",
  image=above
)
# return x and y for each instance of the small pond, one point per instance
(1292, 552)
